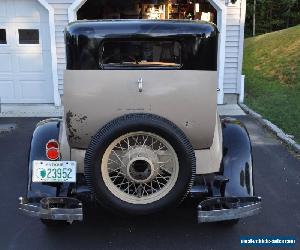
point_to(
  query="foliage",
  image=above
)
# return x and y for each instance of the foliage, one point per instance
(272, 15)
(272, 69)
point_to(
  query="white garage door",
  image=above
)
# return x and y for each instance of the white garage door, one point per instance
(25, 56)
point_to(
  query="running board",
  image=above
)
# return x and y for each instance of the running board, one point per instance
(228, 208)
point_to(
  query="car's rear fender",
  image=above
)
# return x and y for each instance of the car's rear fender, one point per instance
(237, 164)
(45, 130)
(234, 178)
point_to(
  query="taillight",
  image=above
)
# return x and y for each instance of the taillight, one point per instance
(52, 150)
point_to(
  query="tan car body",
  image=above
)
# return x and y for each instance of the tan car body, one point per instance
(187, 98)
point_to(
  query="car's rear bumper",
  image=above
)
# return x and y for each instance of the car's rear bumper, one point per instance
(224, 209)
(56, 208)
(210, 210)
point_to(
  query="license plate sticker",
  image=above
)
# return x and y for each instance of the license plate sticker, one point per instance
(54, 171)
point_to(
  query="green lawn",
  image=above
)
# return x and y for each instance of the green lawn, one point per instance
(272, 86)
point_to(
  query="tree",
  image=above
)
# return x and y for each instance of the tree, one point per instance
(269, 15)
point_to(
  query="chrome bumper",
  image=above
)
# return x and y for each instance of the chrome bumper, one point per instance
(222, 209)
(56, 208)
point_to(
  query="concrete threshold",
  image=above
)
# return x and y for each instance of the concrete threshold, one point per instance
(230, 110)
(30, 110)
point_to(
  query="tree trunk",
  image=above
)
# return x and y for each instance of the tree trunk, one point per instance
(254, 17)
(271, 18)
(288, 17)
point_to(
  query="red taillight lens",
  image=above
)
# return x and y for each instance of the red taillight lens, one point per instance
(53, 154)
(52, 144)
(52, 150)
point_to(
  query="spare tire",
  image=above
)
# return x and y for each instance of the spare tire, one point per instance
(140, 164)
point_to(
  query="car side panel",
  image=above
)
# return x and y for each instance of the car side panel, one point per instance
(209, 160)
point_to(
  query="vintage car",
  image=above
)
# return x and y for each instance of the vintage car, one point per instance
(141, 130)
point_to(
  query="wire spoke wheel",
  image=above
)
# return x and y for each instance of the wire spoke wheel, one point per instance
(139, 164)
(140, 167)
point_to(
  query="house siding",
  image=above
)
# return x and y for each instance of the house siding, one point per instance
(61, 20)
(232, 46)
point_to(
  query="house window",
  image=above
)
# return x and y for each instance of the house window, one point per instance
(140, 55)
(28, 36)
(3, 36)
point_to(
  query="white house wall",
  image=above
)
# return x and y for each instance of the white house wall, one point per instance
(232, 49)
(61, 20)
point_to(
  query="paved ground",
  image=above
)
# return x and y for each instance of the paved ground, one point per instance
(277, 179)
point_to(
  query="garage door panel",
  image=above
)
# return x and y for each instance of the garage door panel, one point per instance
(30, 77)
(40, 89)
(4, 49)
(31, 63)
(6, 89)
(23, 9)
(31, 50)
(6, 77)
(5, 63)
(44, 32)
(3, 13)
(3, 9)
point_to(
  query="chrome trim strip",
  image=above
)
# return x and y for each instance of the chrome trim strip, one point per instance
(35, 210)
(242, 211)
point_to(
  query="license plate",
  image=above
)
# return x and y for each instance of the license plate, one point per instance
(54, 171)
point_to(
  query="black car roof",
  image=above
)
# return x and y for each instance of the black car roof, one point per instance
(104, 28)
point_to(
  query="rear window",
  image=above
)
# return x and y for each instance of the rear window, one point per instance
(140, 55)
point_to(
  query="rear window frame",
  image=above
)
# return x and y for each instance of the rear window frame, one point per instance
(133, 67)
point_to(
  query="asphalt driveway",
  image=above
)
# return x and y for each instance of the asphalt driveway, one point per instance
(277, 180)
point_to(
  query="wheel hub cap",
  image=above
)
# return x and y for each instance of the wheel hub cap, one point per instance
(140, 170)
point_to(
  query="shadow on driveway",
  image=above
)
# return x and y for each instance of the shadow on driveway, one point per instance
(277, 180)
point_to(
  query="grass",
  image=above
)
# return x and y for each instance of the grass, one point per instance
(272, 86)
